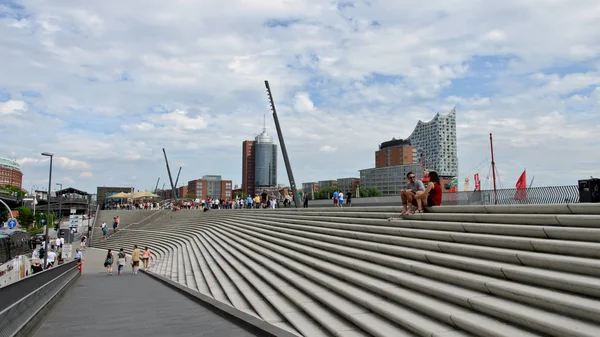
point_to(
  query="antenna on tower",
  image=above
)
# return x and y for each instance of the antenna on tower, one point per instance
(264, 122)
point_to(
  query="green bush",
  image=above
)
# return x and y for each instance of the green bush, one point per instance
(34, 230)
(25, 216)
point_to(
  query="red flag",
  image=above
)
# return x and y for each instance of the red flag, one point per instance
(521, 187)
(477, 182)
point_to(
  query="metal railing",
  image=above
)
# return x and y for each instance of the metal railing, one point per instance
(507, 196)
(24, 302)
(6, 195)
(155, 215)
(90, 230)
(513, 196)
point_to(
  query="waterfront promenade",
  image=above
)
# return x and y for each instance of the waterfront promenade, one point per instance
(129, 305)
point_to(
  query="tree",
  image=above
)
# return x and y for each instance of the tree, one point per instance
(12, 189)
(369, 192)
(190, 195)
(3, 214)
(241, 195)
(326, 193)
(25, 216)
(373, 192)
(34, 230)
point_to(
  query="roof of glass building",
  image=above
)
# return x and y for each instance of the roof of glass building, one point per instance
(9, 163)
(264, 138)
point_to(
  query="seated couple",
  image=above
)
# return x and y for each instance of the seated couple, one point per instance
(416, 194)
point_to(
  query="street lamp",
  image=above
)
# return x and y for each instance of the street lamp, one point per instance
(48, 154)
(59, 205)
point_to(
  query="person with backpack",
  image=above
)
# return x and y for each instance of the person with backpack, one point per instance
(121, 259)
(108, 262)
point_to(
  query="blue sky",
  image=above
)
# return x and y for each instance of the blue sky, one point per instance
(107, 85)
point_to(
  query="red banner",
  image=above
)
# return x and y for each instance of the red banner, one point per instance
(521, 186)
(477, 182)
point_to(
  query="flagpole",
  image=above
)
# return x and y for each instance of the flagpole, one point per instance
(493, 169)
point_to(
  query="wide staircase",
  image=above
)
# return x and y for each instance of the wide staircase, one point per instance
(521, 270)
(129, 219)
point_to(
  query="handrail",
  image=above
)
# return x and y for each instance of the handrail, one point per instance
(88, 242)
(19, 317)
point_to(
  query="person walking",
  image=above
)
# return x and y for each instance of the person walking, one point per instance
(121, 259)
(104, 230)
(146, 257)
(108, 262)
(78, 256)
(50, 259)
(82, 243)
(348, 198)
(116, 222)
(135, 259)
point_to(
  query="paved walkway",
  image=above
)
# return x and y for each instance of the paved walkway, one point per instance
(129, 305)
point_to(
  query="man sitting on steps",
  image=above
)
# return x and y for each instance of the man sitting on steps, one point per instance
(414, 187)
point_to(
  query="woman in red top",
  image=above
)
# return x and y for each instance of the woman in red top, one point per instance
(433, 192)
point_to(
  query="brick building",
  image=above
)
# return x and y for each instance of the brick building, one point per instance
(210, 186)
(248, 167)
(182, 191)
(395, 152)
(10, 173)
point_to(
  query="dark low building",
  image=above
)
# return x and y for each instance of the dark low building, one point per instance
(104, 192)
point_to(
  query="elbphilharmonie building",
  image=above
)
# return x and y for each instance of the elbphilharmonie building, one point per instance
(436, 139)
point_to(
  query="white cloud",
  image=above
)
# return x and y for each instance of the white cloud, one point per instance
(66, 180)
(179, 120)
(60, 162)
(68, 163)
(328, 148)
(12, 107)
(495, 36)
(304, 103)
(109, 84)
(143, 126)
(86, 175)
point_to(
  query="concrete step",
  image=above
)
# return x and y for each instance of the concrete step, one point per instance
(263, 290)
(411, 258)
(332, 300)
(550, 232)
(405, 308)
(567, 220)
(381, 234)
(577, 306)
(455, 271)
(415, 248)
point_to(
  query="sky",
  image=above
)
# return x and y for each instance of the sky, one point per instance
(105, 85)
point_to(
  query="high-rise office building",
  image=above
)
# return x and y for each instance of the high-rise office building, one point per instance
(259, 164)
(248, 162)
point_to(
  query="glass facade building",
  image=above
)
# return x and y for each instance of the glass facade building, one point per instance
(389, 180)
(265, 161)
(436, 139)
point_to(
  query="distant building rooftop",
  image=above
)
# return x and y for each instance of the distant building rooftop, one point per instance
(10, 164)
(393, 143)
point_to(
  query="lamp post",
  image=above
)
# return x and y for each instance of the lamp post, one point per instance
(59, 205)
(48, 154)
